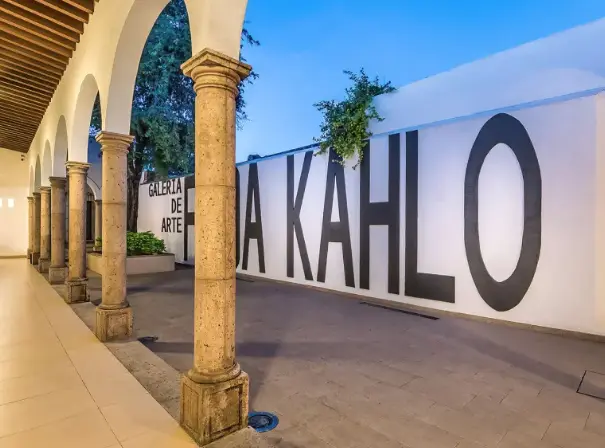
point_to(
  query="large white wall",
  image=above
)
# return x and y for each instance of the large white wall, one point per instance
(563, 293)
(14, 187)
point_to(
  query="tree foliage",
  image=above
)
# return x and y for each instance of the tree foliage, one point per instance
(162, 119)
(345, 123)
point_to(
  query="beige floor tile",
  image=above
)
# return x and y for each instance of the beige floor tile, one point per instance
(16, 368)
(177, 439)
(39, 383)
(44, 409)
(138, 416)
(37, 349)
(84, 430)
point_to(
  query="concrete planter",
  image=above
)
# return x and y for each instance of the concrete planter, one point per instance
(137, 264)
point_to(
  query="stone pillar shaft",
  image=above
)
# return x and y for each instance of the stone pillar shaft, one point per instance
(30, 226)
(36, 239)
(76, 276)
(214, 399)
(114, 315)
(44, 261)
(57, 269)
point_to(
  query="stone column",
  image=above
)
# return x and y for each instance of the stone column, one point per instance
(36, 250)
(98, 222)
(30, 227)
(57, 270)
(44, 261)
(114, 315)
(214, 393)
(76, 273)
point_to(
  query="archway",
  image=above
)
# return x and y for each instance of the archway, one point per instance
(47, 165)
(80, 129)
(60, 150)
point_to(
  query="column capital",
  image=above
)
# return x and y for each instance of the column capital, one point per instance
(209, 68)
(57, 182)
(44, 190)
(30, 199)
(112, 141)
(77, 167)
(36, 195)
(98, 201)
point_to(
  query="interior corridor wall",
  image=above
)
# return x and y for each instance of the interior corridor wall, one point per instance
(491, 216)
(14, 188)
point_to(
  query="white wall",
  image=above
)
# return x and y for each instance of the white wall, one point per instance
(14, 185)
(563, 292)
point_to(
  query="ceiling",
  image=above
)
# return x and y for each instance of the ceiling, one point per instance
(37, 39)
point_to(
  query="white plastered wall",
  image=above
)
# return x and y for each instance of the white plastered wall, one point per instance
(14, 186)
(106, 61)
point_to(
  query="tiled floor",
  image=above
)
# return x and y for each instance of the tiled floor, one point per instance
(59, 386)
(345, 375)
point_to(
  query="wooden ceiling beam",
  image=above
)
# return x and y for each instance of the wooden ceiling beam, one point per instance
(30, 101)
(18, 124)
(26, 50)
(13, 58)
(14, 137)
(47, 13)
(67, 9)
(36, 33)
(12, 88)
(27, 78)
(41, 22)
(13, 147)
(15, 132)
(18, 107)
(88, 6)
(16, 38)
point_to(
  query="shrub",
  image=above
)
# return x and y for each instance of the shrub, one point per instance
(144, 243)
(139, 243)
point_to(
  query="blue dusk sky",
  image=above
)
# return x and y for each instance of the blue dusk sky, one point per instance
(305, 46)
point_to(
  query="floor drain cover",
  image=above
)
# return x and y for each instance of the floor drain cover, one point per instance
(593, 385)
(262, 421)
(148, 339)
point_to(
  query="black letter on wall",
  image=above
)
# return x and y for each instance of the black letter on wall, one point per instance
(419, 284)
(253, 230)
(380, 214)
(505, 295)
(293, 216)
(338, 231)
(189, 216)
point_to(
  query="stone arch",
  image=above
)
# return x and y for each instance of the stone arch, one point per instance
(32, 177)
(60, 149)
(37, 176)
(80, 127)
(94, 188)
(214, 24)
(47, 165)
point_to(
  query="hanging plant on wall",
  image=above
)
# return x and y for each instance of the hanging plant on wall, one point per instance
(345, 123)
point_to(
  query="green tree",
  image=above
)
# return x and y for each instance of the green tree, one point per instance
(163, 105)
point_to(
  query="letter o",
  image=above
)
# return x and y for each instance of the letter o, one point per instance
(507, 294)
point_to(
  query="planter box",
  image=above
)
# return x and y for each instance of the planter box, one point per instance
(138, 264)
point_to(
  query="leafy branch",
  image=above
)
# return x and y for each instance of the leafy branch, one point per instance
(345, 123)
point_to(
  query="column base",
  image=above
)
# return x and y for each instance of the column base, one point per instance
(212, 411)
(57, 275)
(43, 265)
(77, 290)
(34, 257)
(113, 323)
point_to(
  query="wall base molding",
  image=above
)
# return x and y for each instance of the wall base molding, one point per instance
(432, 311)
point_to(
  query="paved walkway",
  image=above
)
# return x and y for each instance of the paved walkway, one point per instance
(59, 386)
(345, 375)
